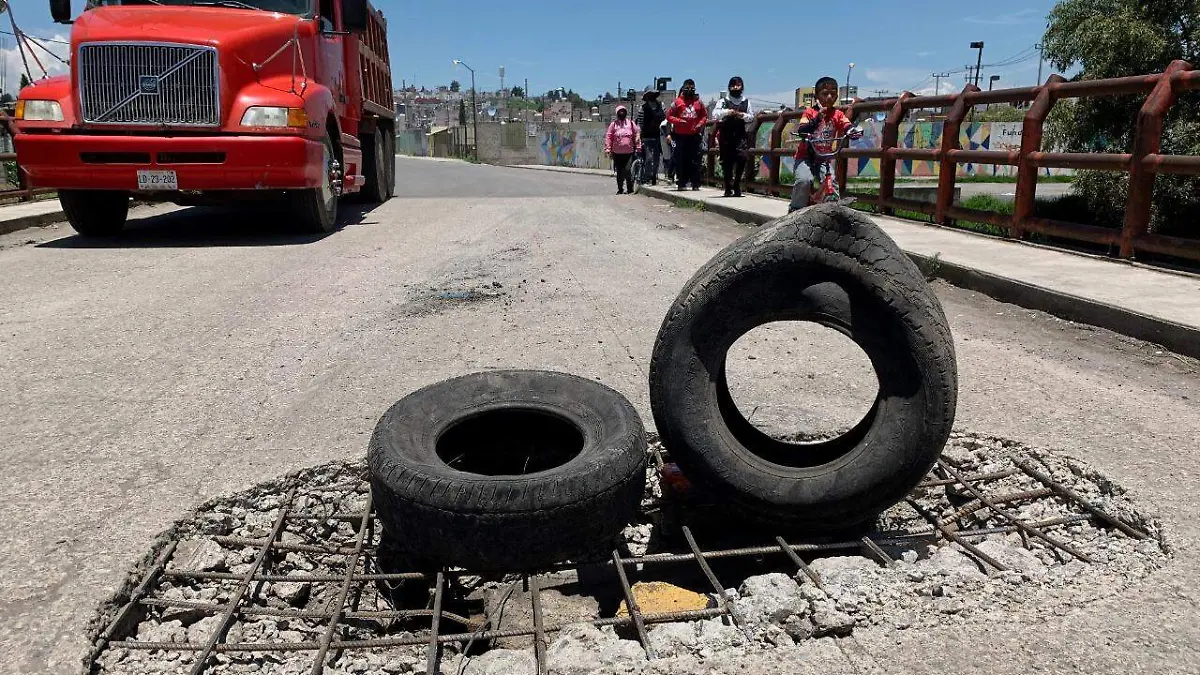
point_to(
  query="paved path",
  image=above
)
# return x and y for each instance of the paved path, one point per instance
(21, 215)
(209, 350)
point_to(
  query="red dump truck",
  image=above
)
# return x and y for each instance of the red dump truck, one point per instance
(213, 101)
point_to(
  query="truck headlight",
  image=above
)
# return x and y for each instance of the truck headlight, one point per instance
(39, 111)
(270, 116)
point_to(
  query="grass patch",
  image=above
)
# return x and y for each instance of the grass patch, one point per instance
(689, 204)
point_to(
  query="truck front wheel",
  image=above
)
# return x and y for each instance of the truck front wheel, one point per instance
(95, 213)
(317, 207)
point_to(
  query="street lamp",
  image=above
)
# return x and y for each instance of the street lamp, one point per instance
(978, 60)
(848, 70)
(474, 107)
(993, 80)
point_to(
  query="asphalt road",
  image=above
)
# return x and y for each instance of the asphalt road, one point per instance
(209, 350)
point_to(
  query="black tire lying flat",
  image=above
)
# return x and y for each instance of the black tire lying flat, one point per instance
(476, 471)
(832, 266)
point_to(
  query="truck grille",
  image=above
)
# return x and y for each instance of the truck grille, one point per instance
(131, 83)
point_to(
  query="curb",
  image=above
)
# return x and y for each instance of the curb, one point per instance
(1179, 338)
(25, 222)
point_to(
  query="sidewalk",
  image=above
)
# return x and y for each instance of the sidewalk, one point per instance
(1159, 306)
(21, 215)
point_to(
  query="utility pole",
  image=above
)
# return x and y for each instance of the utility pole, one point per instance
(526, 89)
(474, 108)
(978, 59)
(1041, 58)
(937, 82)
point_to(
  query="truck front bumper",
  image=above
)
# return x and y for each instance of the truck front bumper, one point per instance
(76, 161)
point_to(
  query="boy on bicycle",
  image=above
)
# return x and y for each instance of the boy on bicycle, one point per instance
(823, 123)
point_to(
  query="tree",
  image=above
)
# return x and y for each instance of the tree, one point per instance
(6, 98)
(462, 112)
(24, 81)
(455, 86)
(608, 97)
(517, 92)
(1001, 113)
(1117, 38)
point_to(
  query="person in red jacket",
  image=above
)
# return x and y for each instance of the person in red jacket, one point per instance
(824, 123)
(687, 117)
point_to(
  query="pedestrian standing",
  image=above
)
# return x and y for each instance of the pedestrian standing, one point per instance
(687, 116)
(620, 142)
(732, 116)
(649, 120)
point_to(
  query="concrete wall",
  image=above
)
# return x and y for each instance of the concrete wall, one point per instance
(414, 142)
(579, 144)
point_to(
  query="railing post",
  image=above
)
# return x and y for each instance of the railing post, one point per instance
(843, 163)
(1147, 140)
(948, 168)
(751, 163)
(774, 163)
(1031, 142)
(710, 169)
(887, 165)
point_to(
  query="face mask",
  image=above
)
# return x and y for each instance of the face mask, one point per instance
(622, 115)
(689, 92)
(736, 93)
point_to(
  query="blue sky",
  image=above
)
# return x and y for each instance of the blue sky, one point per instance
(590, 47)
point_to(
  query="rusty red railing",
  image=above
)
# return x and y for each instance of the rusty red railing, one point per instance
(21, 189)
(1142, 164)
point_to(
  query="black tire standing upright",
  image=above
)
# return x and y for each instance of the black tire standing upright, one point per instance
(832, 266)
(95, 213)
(379, 163)
(317, 208)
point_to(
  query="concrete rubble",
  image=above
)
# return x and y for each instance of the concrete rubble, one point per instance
(929, 583)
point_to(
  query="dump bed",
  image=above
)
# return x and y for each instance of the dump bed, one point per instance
(374, 67)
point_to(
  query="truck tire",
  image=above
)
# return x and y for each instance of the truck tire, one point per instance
(507, 470)
(832, 266)
(317, 208)
(95, 213)
(379, 164)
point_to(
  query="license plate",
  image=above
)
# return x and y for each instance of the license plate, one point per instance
(157, 180)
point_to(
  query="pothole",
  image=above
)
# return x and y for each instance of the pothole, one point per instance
(285, 575)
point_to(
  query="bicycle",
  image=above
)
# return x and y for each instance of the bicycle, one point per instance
(828, 190)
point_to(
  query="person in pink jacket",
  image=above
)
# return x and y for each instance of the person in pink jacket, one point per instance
(620, 142)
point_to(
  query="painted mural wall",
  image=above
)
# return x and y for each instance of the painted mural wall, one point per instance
(583, 148)
(976, 136)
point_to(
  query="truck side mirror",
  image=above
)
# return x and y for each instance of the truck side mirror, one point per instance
(354, 15)
(60, 11)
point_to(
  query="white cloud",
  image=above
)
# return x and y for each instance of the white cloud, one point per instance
(924, 54)
(1011, 19)
(13, 66)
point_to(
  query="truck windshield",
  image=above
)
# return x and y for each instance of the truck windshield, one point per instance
(303, 7)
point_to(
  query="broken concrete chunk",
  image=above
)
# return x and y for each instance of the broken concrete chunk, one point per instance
(1014, 557)
(168, 631)
(510, 608)
(502, 662)
(673, 639)
(949, 561)
(203, 629)
(829, 621)
(582, 649)
(656, 597)
(199, 555)
(293, 593)
(769, 599)
(799, 628)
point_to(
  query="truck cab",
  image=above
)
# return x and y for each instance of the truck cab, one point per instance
(213, 101)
